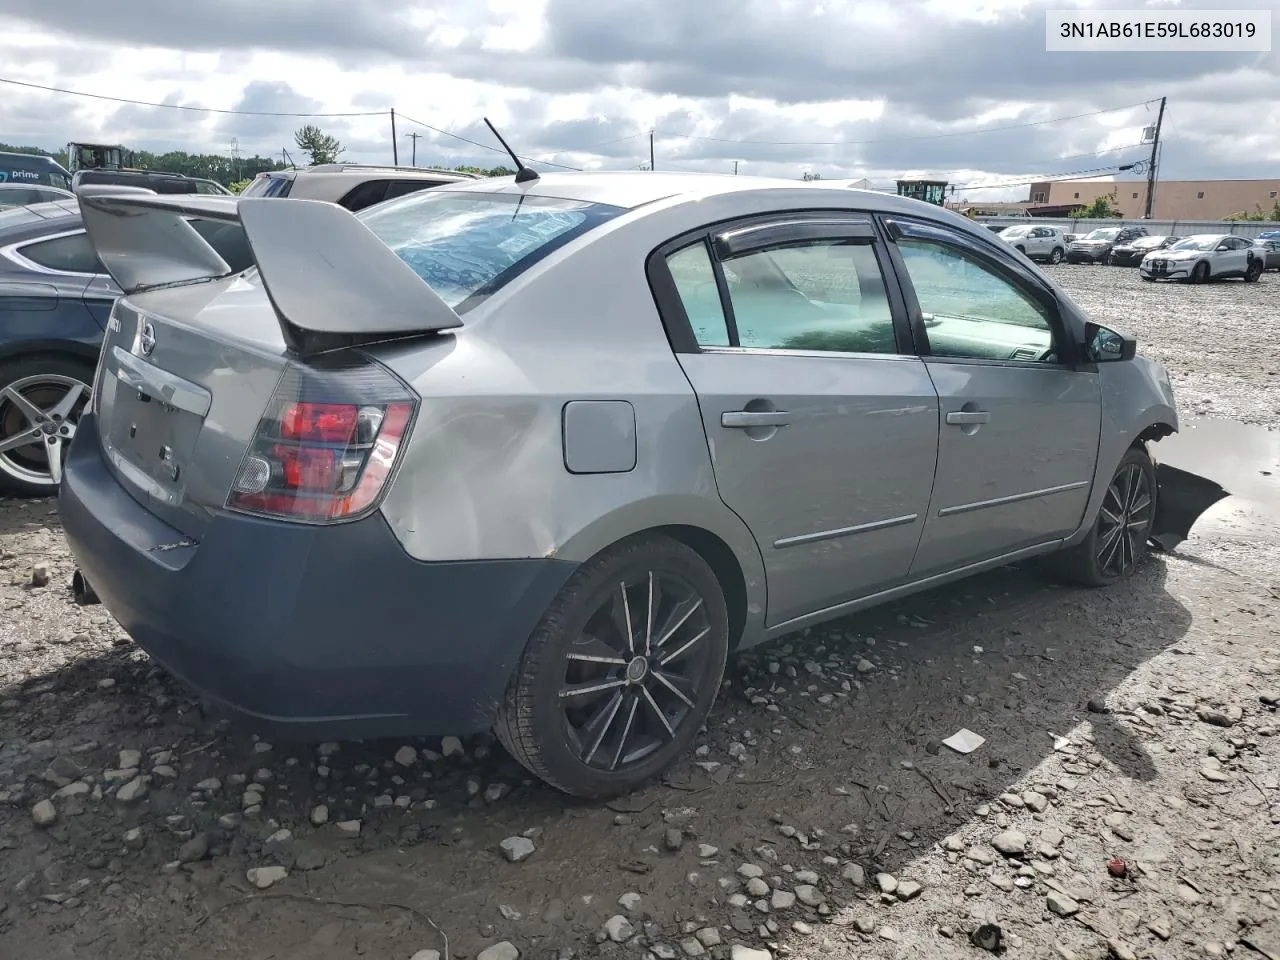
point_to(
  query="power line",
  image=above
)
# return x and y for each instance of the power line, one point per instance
(1052, 178)
(934, 136)
(484, 146)
(178, 106)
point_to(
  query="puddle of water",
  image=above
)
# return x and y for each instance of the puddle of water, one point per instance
(1244, 460)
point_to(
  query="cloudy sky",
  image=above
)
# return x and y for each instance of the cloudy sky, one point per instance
(843, 88)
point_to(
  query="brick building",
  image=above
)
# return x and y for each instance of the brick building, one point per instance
(1175, 199)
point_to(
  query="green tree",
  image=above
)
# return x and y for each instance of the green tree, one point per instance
(1101, 208)
(318, 145)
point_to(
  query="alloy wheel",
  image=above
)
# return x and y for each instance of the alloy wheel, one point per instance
(632, 676)
(38, 417)
(1124, 522)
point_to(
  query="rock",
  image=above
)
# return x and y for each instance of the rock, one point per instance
(40, 575)
(739, 952)
(886, 882)
(707, 852)
(693, 948)
(1011, 843)
(132, 792)
(782, 900)
(953, 844)
(135, 839)
(349, 827)
(516, 849)
(283, 835)
(673, 839)
(908, 890)
(426, 955)
(854, 873)
(505, 950)
(1161, 927)
(1060, 904)
(309, 858)
(319, 815)
(210, 785)
(619, 929)
(757, 887)
(495, 792)
(263, 877)
(1035, 802)
(262, 747)
(406, 756)
(1211, 770)
(809, 895)
(865, 666)
(1215, 718)
(452, 747)
(44, 814)
(1120, 951)
(130, 759)
(749, 871)
(164, 772)
(806, 876)
(708, 937)
(77, 789)
(1097, 706)
(195, 849)
(629, 902)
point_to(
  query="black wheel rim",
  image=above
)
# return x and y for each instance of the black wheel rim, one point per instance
(634, 674)
(1124, 521)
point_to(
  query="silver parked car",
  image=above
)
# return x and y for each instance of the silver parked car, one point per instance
(540, 455)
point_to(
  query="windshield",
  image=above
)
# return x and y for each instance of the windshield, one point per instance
(1106, 234)
(1197, 243)
(1147, 242)
(1015, 231)
(468, 245)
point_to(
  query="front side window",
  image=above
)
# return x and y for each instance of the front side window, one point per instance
(70, 254)
(972, 312)
(467, 245)
(826, 295)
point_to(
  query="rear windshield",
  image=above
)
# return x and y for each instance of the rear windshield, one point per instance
(268, 187)
(468, 245)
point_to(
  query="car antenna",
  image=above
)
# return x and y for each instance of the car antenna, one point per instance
(523, 174)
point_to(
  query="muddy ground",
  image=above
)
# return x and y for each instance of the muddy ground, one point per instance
(821, 817)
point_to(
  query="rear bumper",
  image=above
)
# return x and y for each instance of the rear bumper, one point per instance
(327, 632)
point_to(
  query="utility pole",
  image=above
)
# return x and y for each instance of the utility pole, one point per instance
(735, 168)
(651, 167)
(1151, 167)
(414, 137)
(395, 147)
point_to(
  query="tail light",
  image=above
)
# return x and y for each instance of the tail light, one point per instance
(328, 443)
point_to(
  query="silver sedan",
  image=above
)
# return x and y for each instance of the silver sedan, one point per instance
(539, 454)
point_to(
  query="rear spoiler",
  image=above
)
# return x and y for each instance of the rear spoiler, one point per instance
(331, 281)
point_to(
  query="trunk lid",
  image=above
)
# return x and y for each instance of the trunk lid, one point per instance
(184, 376)
(194, 351)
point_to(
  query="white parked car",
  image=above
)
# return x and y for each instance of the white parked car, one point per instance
(1208, 256)
(1037, 242)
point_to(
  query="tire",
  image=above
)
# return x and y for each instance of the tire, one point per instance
(1106, 259)
(1056, 256)
(1253, 272)
(1099, 561)
(1200, 274)
(1148, 279)
(46, 383)
(582, 750)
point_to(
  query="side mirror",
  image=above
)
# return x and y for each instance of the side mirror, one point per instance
(1103, 345)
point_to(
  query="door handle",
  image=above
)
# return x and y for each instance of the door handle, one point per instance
(964, 417)
(743, 419)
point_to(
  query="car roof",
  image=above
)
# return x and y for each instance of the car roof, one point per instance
(373, 171)
(630, 189)
(34, 220)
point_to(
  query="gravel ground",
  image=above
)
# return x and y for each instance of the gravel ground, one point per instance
(1126, 802)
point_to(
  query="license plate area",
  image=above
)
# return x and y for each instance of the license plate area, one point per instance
(150, 438)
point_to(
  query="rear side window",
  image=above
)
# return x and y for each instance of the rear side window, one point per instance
(228, 239)
(398, 188)
(466, 245)
(365, 195)
(72, 254)
(695, 280)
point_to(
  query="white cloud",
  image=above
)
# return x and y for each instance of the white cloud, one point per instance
(841, 88)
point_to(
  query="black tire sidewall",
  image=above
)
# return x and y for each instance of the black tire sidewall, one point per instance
(19, 368)
(1092, 571)
(580, 598)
